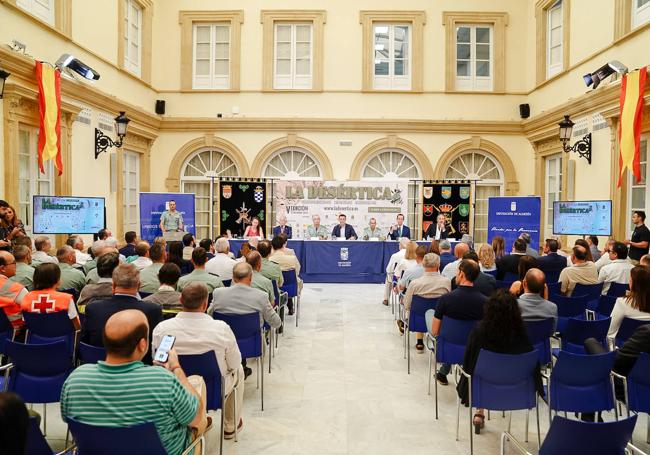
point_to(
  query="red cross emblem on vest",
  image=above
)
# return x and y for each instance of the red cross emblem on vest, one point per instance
(43, 305)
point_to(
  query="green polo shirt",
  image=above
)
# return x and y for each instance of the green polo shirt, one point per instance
(128, 394)
(24, 275)
(90, 265)
(263, 284)
(368, 233)
(211, 281)
(149, 278)
(171, 220)
(92, 277)
(320, 232)
(72, 278)
(272, 271)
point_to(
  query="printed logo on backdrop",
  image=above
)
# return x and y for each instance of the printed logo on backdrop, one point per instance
(396, 196)
(428, 192)
(509, 217)
(259, 194)
(227, 191)
(428, 210)
(464, 193)
(446, 192)
(344, 255)
(463, 209)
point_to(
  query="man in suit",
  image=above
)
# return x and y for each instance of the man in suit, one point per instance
(551, 263)
(343, 229)
(282, 228)
(439, 230)
(126, 282)
(510, 262)
(399, 229)
(485, 282)
(129, 249)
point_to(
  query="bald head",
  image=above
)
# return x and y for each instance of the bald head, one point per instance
(126, 336)
(534, 281)
(255, 260)
(460, 249)
(7, 264)
(242, 273)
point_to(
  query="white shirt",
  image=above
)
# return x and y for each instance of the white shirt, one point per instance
(621, 310)
(394, 260)
(43, 258)
(450, 269)
(221, 265)
(603, 261)
(142, 262)
(617, 271)
(404, 264)
(81, 258)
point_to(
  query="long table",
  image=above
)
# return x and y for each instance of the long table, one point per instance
(338, 261)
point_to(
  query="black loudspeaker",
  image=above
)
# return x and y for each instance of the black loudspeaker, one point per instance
(160, 107)
(524, 110)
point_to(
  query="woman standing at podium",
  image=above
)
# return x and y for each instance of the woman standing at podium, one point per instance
(254, 230)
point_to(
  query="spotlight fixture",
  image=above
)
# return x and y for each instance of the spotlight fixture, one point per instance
(603, 72)
(17, 46)
(103, 142)
(3, 77)
(67, 63)
(582, 147)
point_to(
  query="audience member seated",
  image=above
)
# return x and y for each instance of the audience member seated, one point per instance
(149, 275)
(14, 424)
(175, 255)
(604, 257)
(24, 271)
(450, 269)
(529, 250)
(71, 278)
(167, 296)
(645, 260)
(142, 259)
(260, 281)
(111, 243)
(11, 293)
(269, 269)
(96, 249)
(592, 241)
(416, 271)
(502, 330)
(199, 258)
(221, 264)
(552, 261)
(94, 394)
(582, 271)
(463, 303)
(485, 282)
(196, 333)
(77, 244)
(208, 246)
(408, 261)
(637, 303)
(509, 264)
(533, 305)
(486, 258)
(434, 247)
(92, 277)
(104, 286)
(45, 298)
(43, 246)
(431, 284)
(446, 256)
(126, 282)
(499, 246)
(560, 251)
(104, 234)
(392, 265)
(246, 248)
(283, 256)
(128, 250)
(24, 241)
(618, 269)
(188, 246)
(525, 264)
(583, 243)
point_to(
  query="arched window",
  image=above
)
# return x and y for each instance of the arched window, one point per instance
(193, 180)
(479, 165)
(292, 163)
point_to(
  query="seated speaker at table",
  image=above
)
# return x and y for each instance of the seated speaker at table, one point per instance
(399, 229)
(343, 229)
(282, 227)
(372, 231)
(316, 230)
(439, 230)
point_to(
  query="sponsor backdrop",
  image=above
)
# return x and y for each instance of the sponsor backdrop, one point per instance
(509, 217)
(239, 201)
(358, 200)
(450, 199)
(152, 205)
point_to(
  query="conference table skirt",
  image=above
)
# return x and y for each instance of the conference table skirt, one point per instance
(338, 261)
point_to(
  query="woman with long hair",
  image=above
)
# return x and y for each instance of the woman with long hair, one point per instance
(487, 259)
(10, 224)
(525, 264)
(175, 256)
(583, 243)
(636, 305)
(254, 229)
(14, 424)
(499, 246)
(408, 261)
(502, 330)
(434, 247)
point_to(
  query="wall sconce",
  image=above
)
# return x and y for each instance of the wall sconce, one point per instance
(103, 142)
(3, 77)
(582, 147)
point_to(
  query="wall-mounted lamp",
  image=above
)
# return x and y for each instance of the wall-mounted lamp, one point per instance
(103, 142)
(3, 77)
(582, 147)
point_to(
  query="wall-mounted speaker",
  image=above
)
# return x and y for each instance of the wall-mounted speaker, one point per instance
(160, 107)
(524, 110)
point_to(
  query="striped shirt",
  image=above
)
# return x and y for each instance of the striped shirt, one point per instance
(130, 394)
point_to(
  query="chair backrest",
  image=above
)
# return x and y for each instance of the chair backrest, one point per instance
(227, 283)
(276, 292)
(618, 289)
(6, 330)
(512, 277)
(575, 436)
(552, 277)
(539, 333)
(247, 330)
(49, 327)
(36, 443)
(627, 328)
(206, 366)
(290, 282)
(582, 383)
(90, 354)
(451, 341)
(554, 287)
(605, 305)
(144, 295)
(504, 381)
(638, 384)
(570, 307)
(491, 272)
(578, 330)
(503, 284)
(90, 439)
(592, 290)
(419, 306)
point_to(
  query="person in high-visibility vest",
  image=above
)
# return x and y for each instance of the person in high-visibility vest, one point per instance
(11, 293)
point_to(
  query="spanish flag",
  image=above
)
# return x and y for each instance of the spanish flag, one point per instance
(629, 128)
(49, 103)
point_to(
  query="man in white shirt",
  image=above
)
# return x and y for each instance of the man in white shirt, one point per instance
(77, 244)
(196, 333)
(221, 264)
(450, 269)
(390, 268)
(604, 258)
(40, 256)
(143, 261)
(618, 270)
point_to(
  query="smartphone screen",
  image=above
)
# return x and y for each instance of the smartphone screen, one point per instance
(162, 353)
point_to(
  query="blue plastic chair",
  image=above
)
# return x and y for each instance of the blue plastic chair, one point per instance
(7, 331)
(290, 286)
(539, 333)
(227, 283)
(448, 346)
(576, 437)
(36, 442)
(416, 322)
(618, 289)
(38, 371)
(638, 389)
(45, 328)
(90, 354)
(505, 284)
(552, 277)
(627, 328)
(592, 290)
(602, 306)
(501, 382)
(144, 295)
(578, 330)
(512, 277)
(248, 332)
(206, 366)
(554, 287)
(280, 303)
(568, 307)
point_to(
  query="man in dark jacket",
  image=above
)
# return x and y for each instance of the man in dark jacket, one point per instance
(551, 263)
(509, 264)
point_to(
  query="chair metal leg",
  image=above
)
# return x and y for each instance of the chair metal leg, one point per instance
(297, 309)
(488, 414)
(257, 360)
(262, 391)
(429, 384)
(44, 419)
(408, 351)
(270, 348)
(647, 434)
(539, 434)
(510, 422)
(527, 418)
(435, 389)
(234, 400)
(457, 417)
(471, 427)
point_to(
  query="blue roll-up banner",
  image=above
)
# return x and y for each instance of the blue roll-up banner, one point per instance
(510, 217)
(152, 205)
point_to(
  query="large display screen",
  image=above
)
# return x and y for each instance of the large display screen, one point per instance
(582, 218)
(68, 215)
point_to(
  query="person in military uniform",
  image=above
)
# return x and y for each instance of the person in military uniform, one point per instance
(372, 230)
(171, 220)
(316, 230)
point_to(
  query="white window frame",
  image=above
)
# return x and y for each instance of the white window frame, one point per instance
(553, 168)
(130, 167)
(34, 180)
(392, 81)
(640, 15)
(293, 80)
(292, 165)
(42, 9)
(644, 145)
(133, 66)
(474, 82)
(553, 68)
(212, 80)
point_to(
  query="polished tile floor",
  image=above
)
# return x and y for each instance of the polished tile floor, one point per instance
(339, 386)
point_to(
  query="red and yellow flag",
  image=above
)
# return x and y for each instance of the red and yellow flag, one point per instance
(629, 128)
(49, 103)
